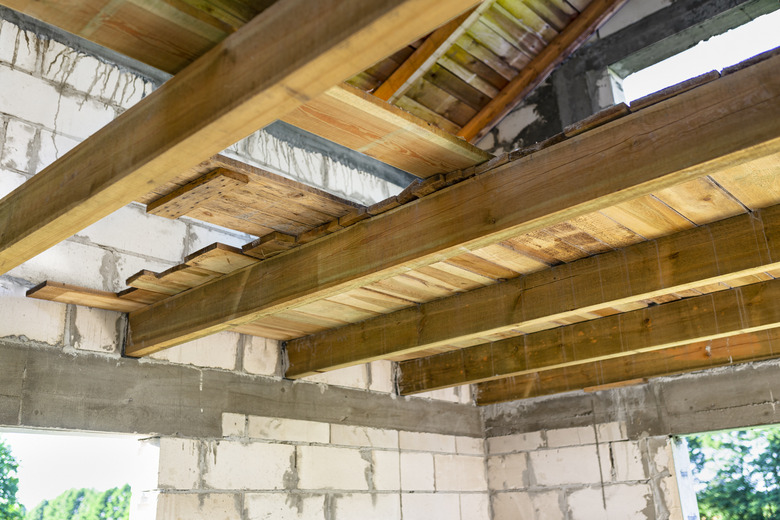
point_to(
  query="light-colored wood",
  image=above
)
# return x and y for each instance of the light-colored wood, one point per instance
(166, 135)
(219, 258)
(180, 202)
(746, 244)
(702, 318)
(732, 120)
(64, 293)
(173, 281)
(576, 33)
(362, 122)
(270, 245)
(426, 55)
(686, 358)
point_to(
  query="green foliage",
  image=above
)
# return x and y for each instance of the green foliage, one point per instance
(745, 469)
(85, 504)
(10, 509)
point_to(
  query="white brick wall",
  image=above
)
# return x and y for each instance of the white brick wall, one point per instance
(581, 473)
(291, 468)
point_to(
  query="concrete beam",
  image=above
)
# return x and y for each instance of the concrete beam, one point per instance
(45, 387)
(735, 397)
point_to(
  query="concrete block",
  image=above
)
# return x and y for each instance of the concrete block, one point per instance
(106, 83)
(85, 73)
(293, 430)
(363, 436)
(9, 181)
(381, 376)
(179, 463)
(97, 330)
(27, 97)
(571, 437)
(234, 425)
(515, 442)
(421, 441)
(19, 147)
(28, 47)
(576, 465)
(508, 471)
(515, 122)
(124, 265)
(284, 506)
(215, 351)
(445, 394)
(79, 117)
(624, 502)
(8, 32)
(239, 465)
(321, 467)
(627, 461)
(469, 446)
(528, 506)
(417, 472)
(67, 262)
(200, 236)
(459, 473)
(611, 431)
(386, 470)
(351, 377)
(150, 235)
(430, 506)
(475, 506)
(359, 506)
(216, 506)
(56, 61)
(261, 356)
(512, 506)
(35, 320)
(51, 147)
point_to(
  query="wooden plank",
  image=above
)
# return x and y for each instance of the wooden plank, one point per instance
(701, 201)
(180, 202)
(701, 318)
(65, 293)
(746, 244)
(361, 122)
(219, 258)
(484, 55)
(686, 358)
(679, 139)
(574, 35)
(426, 55)
(177, 279)
(166, 135)
(454, 85)
(440, 102)
(270, 245)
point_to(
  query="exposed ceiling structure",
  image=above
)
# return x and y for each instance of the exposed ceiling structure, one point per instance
(641, 242)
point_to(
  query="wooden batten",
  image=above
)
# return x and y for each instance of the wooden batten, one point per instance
(65, 293)
(270, 245)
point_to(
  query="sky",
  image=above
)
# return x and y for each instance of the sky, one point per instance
(718, 52)
(50, 463)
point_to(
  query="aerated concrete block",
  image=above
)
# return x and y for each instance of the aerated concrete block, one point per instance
(284, 506)
(386, 470)
(254, 466)
(475, 506)
(363, 436)
(421, 441)
(417, 472)
(214, 351)
(360, 506)
(514, 443)
(216, 506)
(324, 467)
(277, 429)
(97, 330)
(261, 356)
(179, 463)
(430, 506)
(459, 473)
(575, 465)
(571, 437)
(508, 471)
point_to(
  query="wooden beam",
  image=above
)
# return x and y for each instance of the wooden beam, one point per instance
(214, 102)
(721, 352)
(721, 124)
(423, 58)
(747, 309)
(741, 245)
(561, 47)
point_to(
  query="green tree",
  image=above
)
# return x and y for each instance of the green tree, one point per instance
(85, 504)
(745, 469)
(10, 508)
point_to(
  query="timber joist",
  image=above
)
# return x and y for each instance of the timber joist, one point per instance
(670, 206)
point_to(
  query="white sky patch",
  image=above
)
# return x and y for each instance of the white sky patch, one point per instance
(724, 50)
(50, 463)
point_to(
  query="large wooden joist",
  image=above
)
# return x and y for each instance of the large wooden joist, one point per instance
(747, 309)
(634, 369)
(270, 66)
(739, 246)
(726, 122)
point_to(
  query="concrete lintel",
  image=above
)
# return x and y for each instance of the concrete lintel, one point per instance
(740, 396)
(43, 387)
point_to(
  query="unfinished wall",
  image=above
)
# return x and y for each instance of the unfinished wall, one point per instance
(265, 467)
